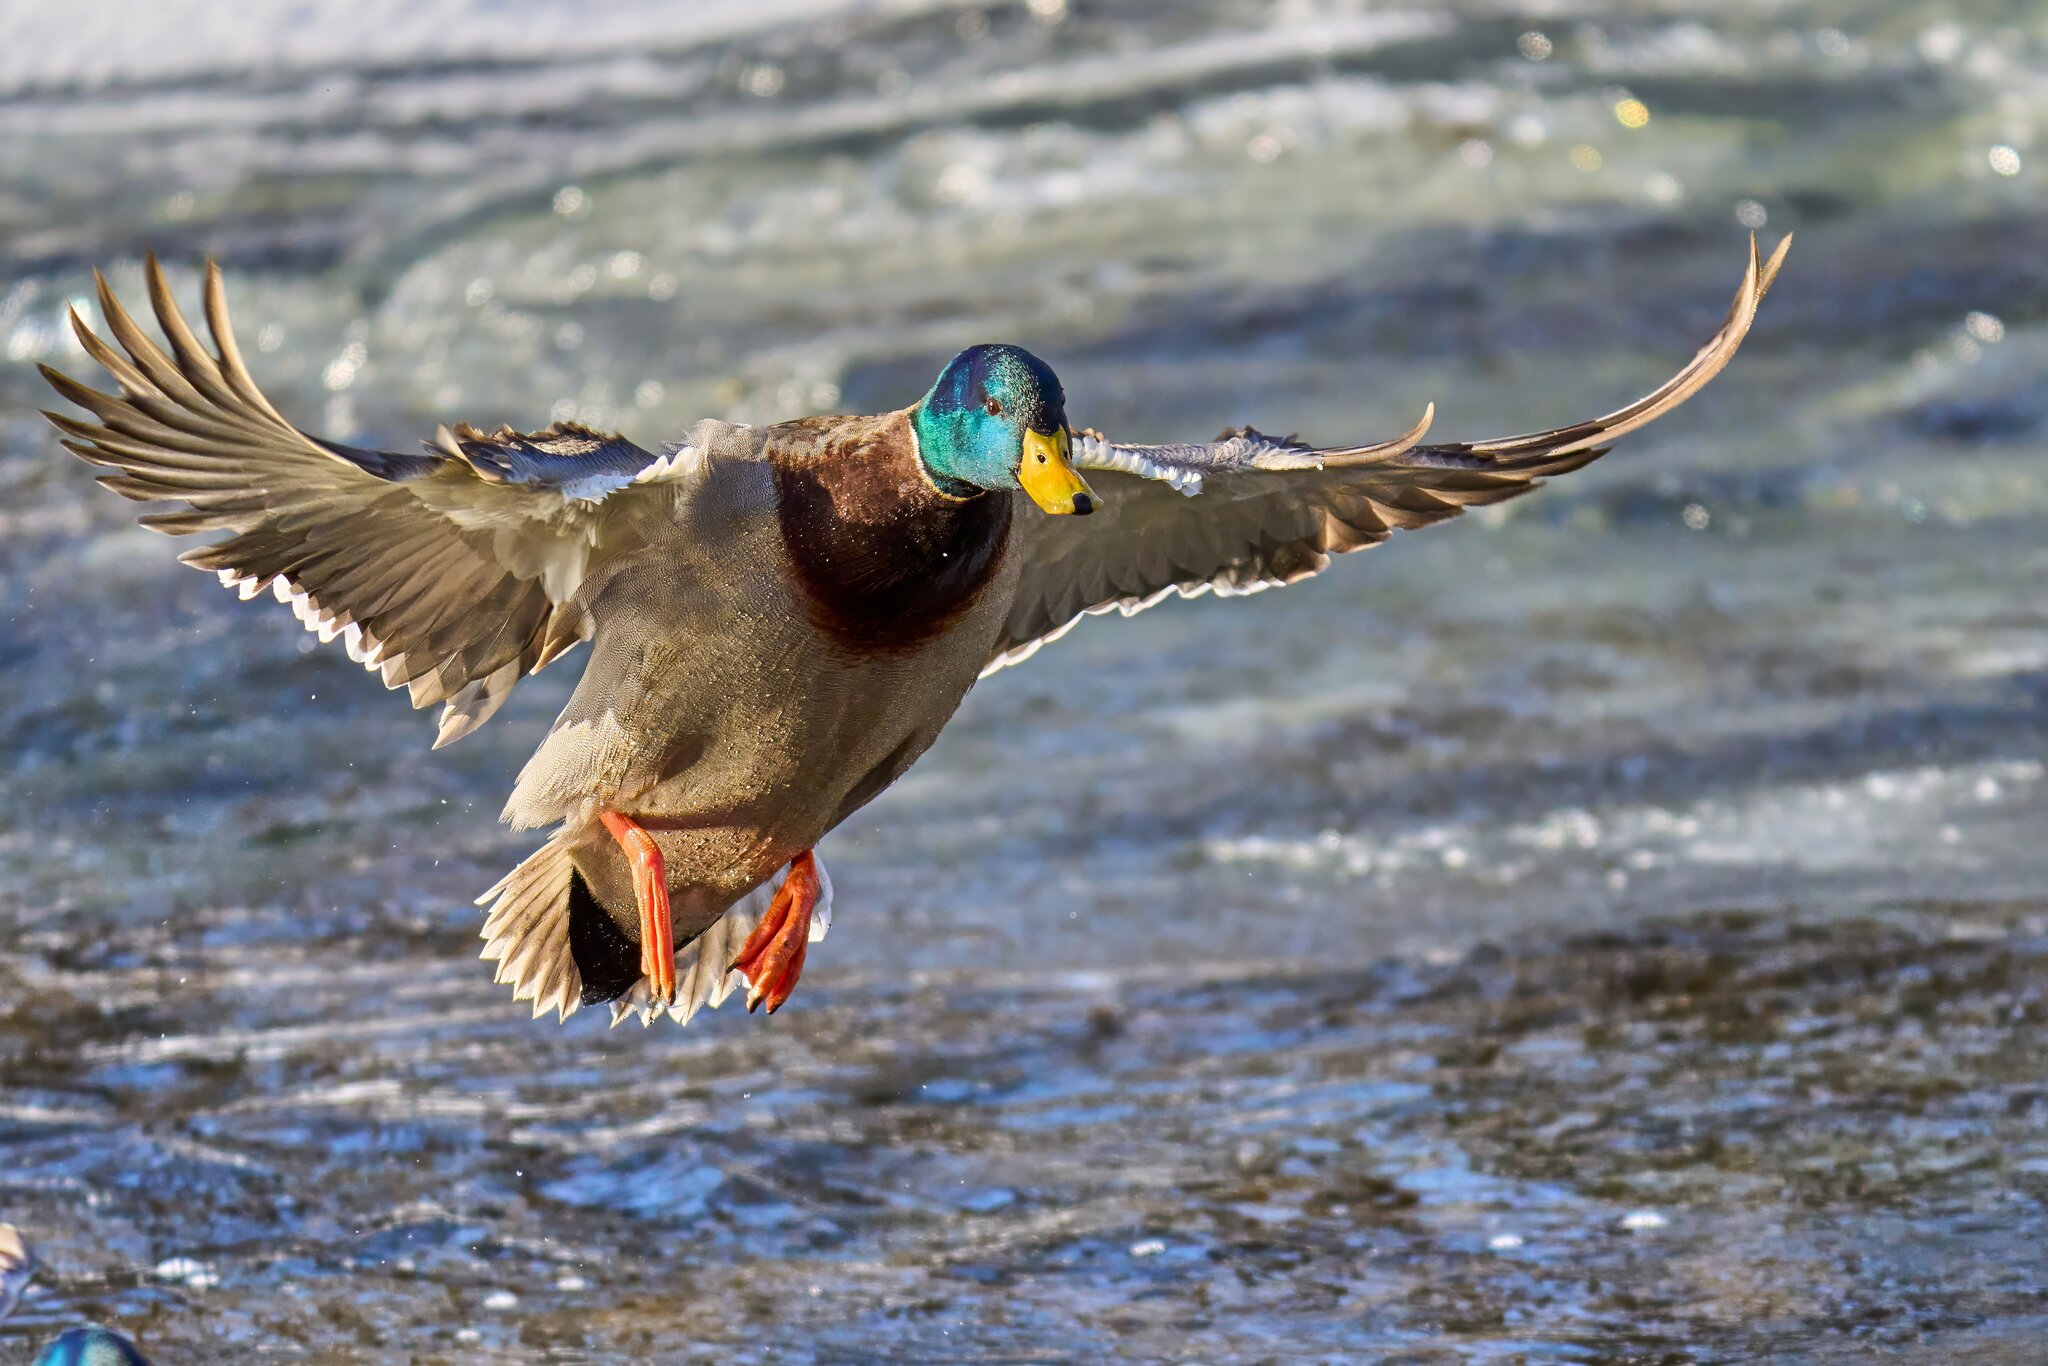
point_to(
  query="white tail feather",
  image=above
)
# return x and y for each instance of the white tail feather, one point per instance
(526, 931)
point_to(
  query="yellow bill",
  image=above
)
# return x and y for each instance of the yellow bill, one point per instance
(1048, 475)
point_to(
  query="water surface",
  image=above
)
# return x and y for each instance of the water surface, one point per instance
(1612, 925)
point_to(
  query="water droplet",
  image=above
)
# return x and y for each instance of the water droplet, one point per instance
(763, 80)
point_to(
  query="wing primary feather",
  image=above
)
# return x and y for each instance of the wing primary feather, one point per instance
(133, 382)
(1343, 456)
(1708, 362)
(194, 362)
(233, 368)
(162, 376)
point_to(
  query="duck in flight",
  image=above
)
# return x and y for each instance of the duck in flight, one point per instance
(781, 618)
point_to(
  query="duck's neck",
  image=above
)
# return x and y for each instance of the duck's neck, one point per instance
(886, 554)
(944, 451)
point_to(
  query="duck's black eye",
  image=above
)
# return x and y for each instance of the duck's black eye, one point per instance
(994, 405)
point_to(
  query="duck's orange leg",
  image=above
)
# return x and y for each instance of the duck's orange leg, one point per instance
(650, 890)
(773, 957)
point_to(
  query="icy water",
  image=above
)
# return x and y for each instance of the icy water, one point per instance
(1616, 928)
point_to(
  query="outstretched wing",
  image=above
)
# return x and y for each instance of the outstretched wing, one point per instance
(450, 572)
(1249, 511)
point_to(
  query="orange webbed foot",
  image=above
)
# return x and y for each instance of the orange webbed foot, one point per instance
(772, 959)
(650, 890)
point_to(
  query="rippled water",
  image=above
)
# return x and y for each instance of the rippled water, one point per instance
(1613, 926)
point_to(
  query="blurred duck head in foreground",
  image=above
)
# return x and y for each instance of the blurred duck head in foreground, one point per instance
(91, 1345)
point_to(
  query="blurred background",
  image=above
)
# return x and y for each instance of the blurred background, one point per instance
(1614, 924)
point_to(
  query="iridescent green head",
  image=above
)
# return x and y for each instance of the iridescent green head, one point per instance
(997, 419)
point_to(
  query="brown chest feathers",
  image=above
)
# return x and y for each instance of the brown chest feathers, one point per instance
(885, 560)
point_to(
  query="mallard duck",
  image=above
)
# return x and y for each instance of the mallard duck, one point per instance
(91, 1345)
(780, 618)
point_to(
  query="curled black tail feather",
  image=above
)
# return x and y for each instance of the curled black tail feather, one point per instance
(607, 960)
